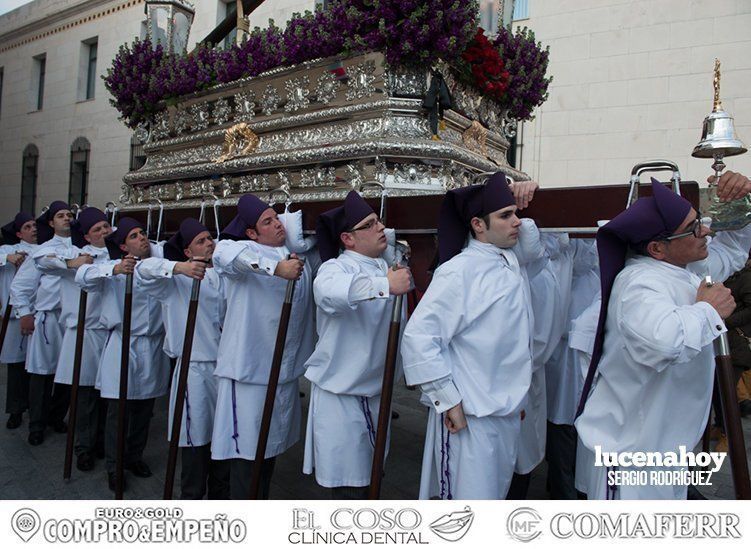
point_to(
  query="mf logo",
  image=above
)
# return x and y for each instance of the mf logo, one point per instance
(524, 524)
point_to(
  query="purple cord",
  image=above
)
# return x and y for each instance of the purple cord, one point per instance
(448, 469)
(234, 417)
(44, 327)
(443, 462)
(187, 416)
(368, 419)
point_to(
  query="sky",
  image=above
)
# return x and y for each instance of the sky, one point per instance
(8, 5)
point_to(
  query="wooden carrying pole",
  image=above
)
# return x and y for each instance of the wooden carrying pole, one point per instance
(6, 320)
(182, 387)
(731, 415)
(123, 399)
(387, 390)
(268, 406)
(75, 382)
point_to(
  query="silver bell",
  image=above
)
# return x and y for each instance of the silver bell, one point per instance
(718, 138)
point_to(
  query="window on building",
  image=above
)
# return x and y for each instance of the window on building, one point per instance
(91, 69)
(137, 156)
(29, 179)
(227, 7)
(1, 90)
(40, 68)
(79, 171)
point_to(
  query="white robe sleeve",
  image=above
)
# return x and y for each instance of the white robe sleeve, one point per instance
(23, 289)
(585, 256)
(426, 338)
(92, 277)
(442, 393)
(728, 253)
(5, 251)
(529, 249)
(337, 290)
(234, 260)
(659, 333)
(54, 261)
(155, 275)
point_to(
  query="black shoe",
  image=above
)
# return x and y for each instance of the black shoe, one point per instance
(139, 468)
(14, 421)
(744, 405)
(36, 438)
(85, 462)
(112, 483)
(59, 426)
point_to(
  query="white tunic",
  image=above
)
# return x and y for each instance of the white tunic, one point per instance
(549, 291)
(34, 292)
(470, 340)
(657, 368)
(354, 309)
(96, 334)
(14, 347)
(148, 366)
(564, 380)
(200, 399)
(254, 303)
(581, 342)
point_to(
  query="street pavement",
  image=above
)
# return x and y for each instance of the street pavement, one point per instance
(36, 472)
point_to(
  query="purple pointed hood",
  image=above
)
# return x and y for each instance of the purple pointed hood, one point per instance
(647, 219)
(44, 231)
(86, 220)
(249, 209)
(461, 205)
(175, 246)
(124, 226)
(333, 223)
(9, 231)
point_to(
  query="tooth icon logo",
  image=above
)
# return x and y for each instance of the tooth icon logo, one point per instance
(454, 526)
(25, 523)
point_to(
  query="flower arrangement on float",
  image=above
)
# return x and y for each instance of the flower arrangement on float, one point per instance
(510, 68)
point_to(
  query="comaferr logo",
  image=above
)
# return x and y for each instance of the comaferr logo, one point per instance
(644, 525)
(453, 526)
(523, 524)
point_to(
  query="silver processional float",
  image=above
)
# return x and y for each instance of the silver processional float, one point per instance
(323, 127)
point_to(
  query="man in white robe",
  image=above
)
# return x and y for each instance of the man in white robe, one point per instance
(35, 297)
(563, 374)
(87, 246)
(256, 265)
(654, 347)
(549, 282)
(187, 257)
(148, 366)
(354, 293)
(20, 236)
(468, 345)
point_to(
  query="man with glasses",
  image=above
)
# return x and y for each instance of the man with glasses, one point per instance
(653, 350)
(353, 294)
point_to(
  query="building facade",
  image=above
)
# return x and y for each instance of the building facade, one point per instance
(632, 80)
(59, 136)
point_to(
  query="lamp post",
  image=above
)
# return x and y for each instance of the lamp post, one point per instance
(168, 24)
